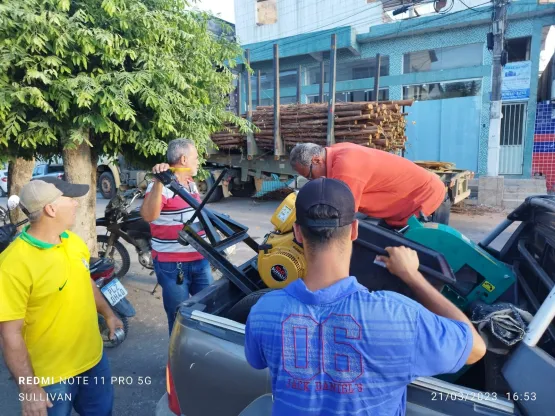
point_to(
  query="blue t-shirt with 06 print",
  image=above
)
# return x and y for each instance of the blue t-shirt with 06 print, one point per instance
(344, 350)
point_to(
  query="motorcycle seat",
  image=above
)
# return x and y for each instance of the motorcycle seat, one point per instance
(95, 261)
(99, 264)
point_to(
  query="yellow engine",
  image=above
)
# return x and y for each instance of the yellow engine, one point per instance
(280, 258)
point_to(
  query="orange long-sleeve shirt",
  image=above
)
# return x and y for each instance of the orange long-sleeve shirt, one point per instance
(385, 185)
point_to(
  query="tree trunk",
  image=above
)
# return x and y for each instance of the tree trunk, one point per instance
(80, 167)
(20, 172)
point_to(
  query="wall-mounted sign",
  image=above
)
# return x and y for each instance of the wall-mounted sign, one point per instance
(516, 81)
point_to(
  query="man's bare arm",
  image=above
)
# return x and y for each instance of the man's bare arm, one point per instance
(152, 204)
(102, 306)
(35, 401)
(435, 302)
(403, 263)
(16, 354)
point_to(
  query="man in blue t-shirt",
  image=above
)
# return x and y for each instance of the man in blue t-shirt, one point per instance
(334, 348)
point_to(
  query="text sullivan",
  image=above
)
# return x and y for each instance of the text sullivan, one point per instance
(53, 397)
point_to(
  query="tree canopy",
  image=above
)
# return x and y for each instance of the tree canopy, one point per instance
(120, 75)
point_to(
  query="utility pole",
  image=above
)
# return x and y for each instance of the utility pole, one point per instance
(279, 146)
(376, 92)
(330, 139)
(252, 148)
(499, 20)
(322, 81)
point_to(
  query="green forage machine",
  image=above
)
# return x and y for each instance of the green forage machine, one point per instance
(480, 277)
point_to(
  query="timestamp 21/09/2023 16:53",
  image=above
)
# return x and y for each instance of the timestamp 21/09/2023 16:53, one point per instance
(525, 396)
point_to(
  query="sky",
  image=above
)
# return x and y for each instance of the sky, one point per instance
(220, 8)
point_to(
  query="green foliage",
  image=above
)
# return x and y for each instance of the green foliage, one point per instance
(121, 75)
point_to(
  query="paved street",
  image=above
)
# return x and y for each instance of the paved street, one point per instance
(144, 353)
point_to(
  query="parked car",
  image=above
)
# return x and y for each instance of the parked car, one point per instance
(3, 183)
(49, 170)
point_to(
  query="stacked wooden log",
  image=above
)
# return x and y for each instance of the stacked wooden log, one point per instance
(229, 138)
(436, 166)
(379, 125)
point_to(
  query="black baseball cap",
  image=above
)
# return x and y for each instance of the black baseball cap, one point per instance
(71, 190)
(325, 191)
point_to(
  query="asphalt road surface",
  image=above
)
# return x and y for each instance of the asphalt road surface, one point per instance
(139, 363)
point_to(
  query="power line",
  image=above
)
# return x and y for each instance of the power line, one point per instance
(473, 8)
(293, 41)
(293, 11)
(443, 16)
(329, 26)
(335, 16)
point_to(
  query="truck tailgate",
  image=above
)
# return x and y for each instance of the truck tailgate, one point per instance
(213, 377)
(208, 365)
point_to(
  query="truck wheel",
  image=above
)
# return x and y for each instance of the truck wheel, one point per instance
(107, 185)
(240, 311)
(247, 189)
(208, 183)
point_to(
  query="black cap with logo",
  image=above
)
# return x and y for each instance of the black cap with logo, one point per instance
(325, 191)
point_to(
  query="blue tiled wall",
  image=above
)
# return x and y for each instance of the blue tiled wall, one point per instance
(545, 118)
(543, 159)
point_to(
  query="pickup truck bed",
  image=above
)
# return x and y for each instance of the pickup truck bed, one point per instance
(208, 373)
(208, 350)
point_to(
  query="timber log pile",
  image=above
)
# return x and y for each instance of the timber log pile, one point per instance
(378, 125)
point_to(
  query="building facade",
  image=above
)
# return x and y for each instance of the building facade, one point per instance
(263, 20)
(442, 61)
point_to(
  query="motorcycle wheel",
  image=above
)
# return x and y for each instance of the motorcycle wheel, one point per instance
(105, 332)
(122, 263)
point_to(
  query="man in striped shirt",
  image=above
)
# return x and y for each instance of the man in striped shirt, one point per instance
(180, 270)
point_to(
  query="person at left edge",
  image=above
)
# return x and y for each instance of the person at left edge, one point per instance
(48, 309)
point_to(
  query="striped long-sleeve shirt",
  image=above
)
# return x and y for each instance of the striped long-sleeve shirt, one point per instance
(165, 229)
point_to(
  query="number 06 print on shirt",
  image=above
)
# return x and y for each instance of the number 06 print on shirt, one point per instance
(310, 349)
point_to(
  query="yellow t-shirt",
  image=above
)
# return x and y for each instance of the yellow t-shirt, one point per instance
(49, 286)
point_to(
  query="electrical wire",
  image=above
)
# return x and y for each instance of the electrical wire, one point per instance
(317, 30)
(443, 16)
(335, 16)
(448, 9)
(294, 11)
(473, 8)
(318, 34)
(413, 27)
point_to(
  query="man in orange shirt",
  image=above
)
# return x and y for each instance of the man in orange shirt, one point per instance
(385, 186)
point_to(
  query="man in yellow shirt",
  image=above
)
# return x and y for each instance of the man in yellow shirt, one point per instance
(49, 331)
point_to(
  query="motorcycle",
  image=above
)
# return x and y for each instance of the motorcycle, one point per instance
(101, 271)
(122, 222)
